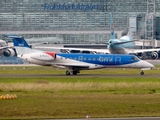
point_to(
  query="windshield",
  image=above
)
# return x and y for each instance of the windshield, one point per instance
(134, 58)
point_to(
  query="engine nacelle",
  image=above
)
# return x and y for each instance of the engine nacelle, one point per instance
(9, 52)
(154, 55)
(44, 56)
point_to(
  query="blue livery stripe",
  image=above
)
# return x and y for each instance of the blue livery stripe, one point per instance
(102, 59)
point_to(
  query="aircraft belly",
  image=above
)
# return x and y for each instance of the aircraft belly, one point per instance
(95, 66)
(131, 65)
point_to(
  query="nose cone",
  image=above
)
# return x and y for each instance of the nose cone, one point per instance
(146, 64)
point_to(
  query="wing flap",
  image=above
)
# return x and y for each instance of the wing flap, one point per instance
(71, 65)
(144, 50)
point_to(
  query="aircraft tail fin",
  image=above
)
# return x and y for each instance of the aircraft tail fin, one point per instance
(112, 34)
(20, 45)
(18, 41)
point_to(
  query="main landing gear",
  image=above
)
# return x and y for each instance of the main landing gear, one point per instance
(74, 72)
(141, 73)
(67, 72)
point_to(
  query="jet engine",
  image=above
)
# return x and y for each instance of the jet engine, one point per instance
(154, 55)
(10, 52)
(44, 56)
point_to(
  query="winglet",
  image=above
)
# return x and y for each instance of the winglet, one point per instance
(112, 34)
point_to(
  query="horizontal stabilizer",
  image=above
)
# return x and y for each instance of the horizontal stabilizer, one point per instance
(12, 36)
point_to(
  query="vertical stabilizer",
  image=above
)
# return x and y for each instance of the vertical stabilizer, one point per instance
(20, 42)
(20, 45)
(112, 34)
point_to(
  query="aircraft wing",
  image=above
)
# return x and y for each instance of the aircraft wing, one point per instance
(2, 48)
(154, 52)
(39, 43)
(142, 50)
(106, 51)
(72, 65)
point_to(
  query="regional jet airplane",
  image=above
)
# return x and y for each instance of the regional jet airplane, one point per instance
(124, 45)
(74, 63)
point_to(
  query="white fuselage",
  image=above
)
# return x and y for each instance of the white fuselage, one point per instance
(47, 60)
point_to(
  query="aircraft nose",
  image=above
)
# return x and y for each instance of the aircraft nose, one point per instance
(149, 65)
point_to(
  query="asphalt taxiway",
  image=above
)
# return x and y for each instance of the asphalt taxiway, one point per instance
(134, 118)
(85, 75)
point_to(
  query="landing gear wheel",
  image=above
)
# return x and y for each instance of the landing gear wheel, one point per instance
(74, 72)
(67, 72)
(142, 73)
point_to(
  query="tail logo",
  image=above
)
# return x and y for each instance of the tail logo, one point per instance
(21, 45)
(112, 28)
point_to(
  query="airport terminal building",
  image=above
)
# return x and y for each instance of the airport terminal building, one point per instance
(81, 21)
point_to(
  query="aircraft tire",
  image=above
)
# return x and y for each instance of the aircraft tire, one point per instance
(141, 73)
(67, 72)
(74, 72)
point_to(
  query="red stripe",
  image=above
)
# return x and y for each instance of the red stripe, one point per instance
(50, 53)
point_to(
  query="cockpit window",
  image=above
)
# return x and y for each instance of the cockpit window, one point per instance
(134, 58)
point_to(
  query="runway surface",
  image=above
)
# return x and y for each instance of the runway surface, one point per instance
(155, 62)
(84, 75)
(135, 118)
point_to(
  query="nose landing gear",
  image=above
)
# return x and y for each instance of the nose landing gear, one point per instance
(141, 73)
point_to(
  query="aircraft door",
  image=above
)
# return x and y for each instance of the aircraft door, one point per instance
(117, 60)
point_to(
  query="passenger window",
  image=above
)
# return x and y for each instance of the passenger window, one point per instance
(80, 58)
(136, 58)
